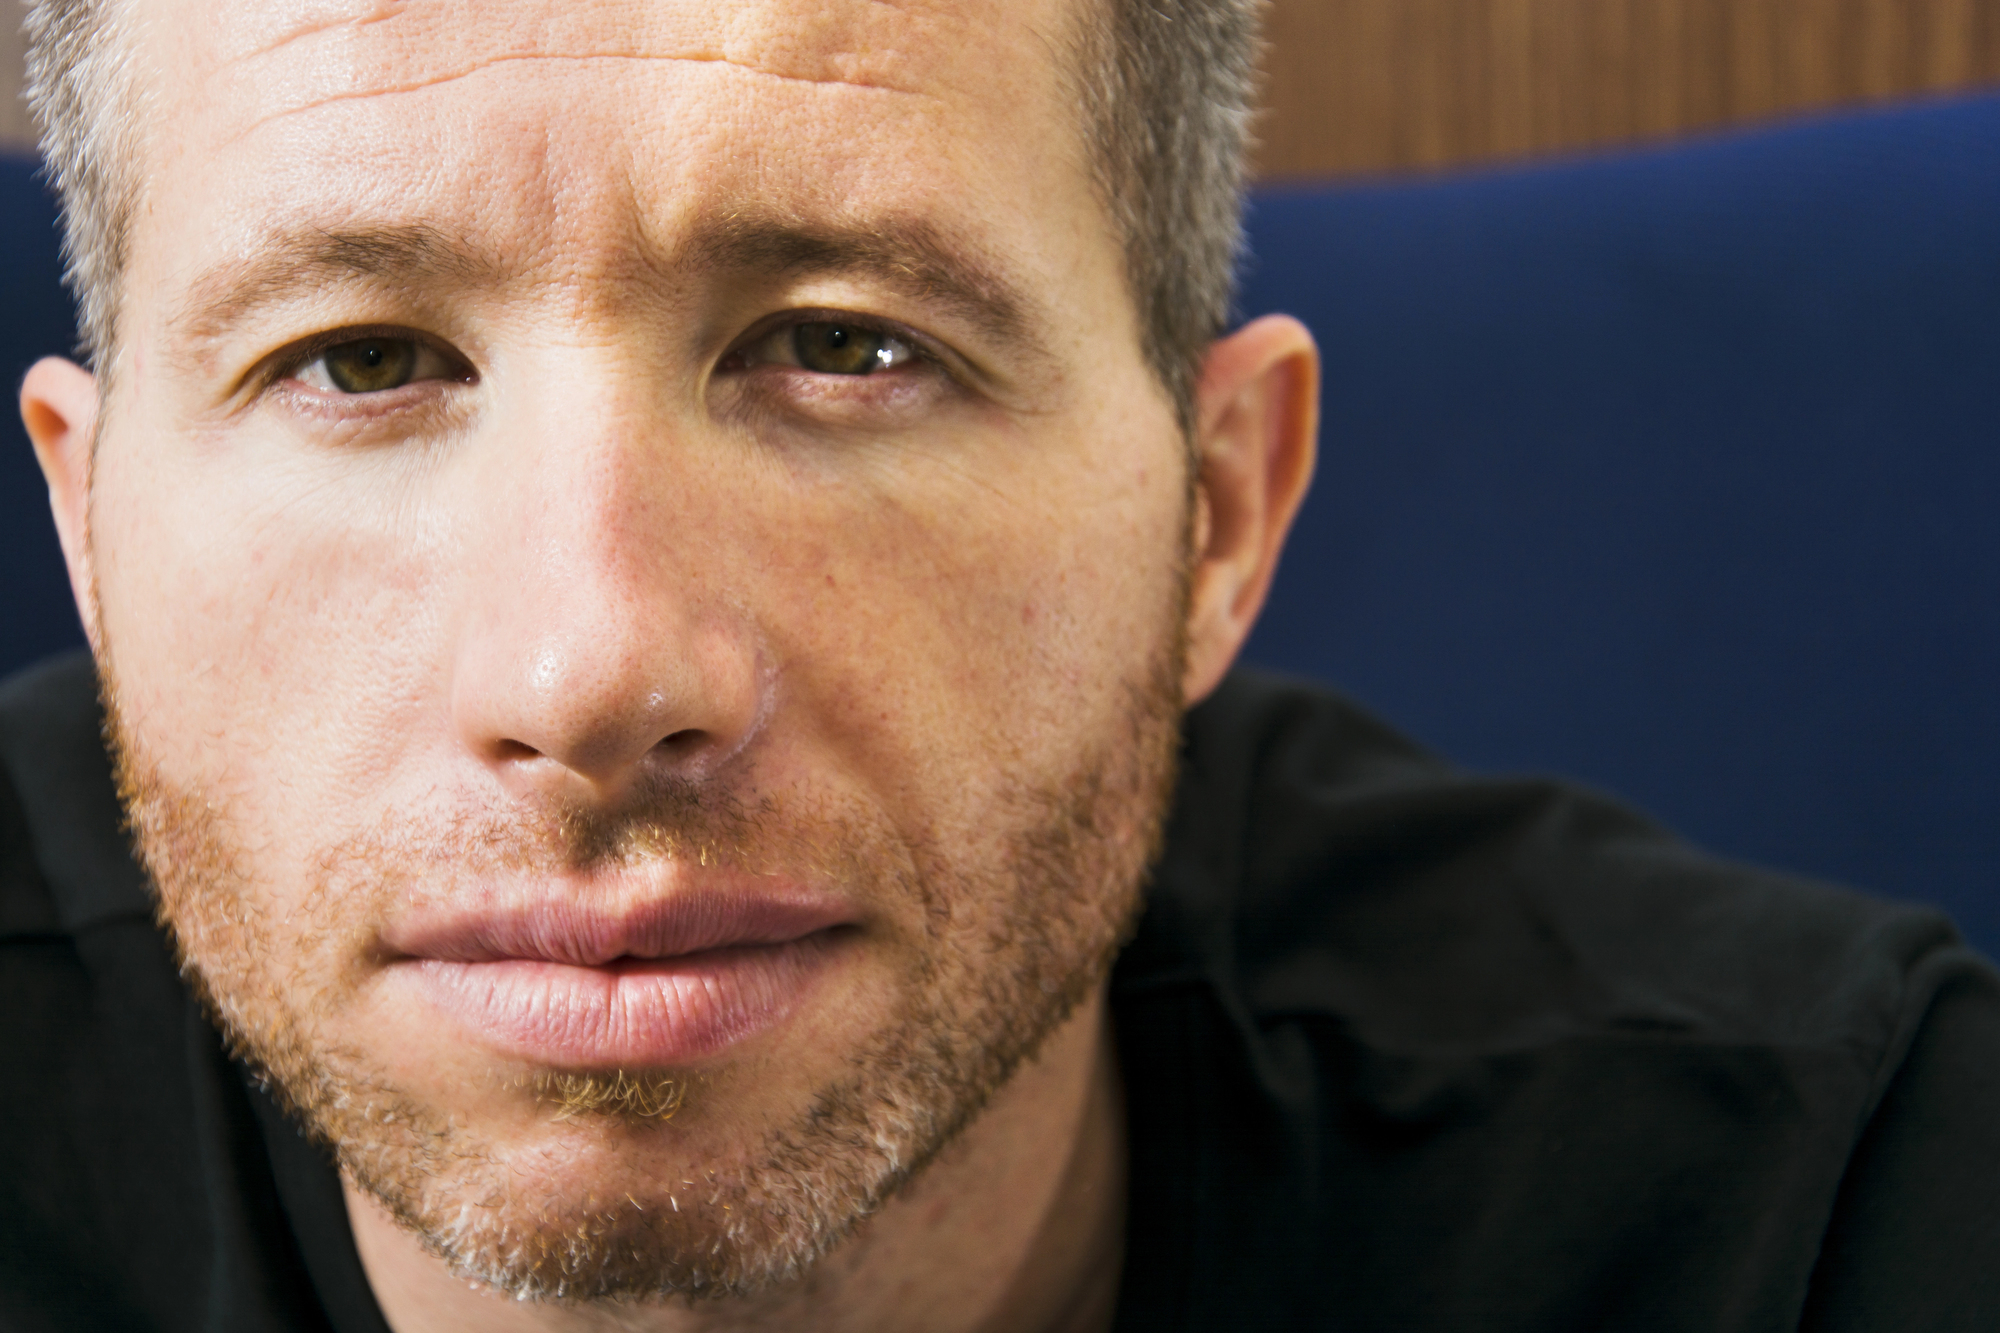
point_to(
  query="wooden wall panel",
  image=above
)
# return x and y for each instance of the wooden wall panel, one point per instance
(1383, 85)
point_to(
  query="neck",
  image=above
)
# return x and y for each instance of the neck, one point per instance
(1018, 1227)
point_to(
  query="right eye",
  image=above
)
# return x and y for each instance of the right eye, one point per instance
(373, 365)
(830, 347)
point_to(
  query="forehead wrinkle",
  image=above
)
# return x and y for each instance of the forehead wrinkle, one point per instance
(387, 9)
(436, 80)
(858, 42)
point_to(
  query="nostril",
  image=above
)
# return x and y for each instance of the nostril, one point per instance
(682, 743)
(515, 750)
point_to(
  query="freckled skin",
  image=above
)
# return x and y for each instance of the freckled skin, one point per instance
(600, 553)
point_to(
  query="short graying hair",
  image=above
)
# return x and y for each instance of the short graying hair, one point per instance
(81, 91)
(1166, 89)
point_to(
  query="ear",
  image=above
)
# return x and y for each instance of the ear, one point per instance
(59, 408)
(1257, 423)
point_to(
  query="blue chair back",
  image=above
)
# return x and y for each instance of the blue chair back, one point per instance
(1677, 471)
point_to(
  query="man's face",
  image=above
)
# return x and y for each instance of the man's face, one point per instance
(641, 570)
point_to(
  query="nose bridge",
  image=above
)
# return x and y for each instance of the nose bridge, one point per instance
(588, 514)
(593, 645)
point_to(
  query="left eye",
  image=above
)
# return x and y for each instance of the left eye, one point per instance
(830, 347)
(372, 365)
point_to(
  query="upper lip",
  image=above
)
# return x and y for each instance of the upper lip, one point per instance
(565, 930)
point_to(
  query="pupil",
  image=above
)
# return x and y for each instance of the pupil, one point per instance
(373, 356)
(836, 337)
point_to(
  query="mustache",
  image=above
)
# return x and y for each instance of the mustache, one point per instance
(660, 818)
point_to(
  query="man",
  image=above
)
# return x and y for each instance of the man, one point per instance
(647, 566)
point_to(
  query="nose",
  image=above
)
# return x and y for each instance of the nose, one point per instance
(598, 641)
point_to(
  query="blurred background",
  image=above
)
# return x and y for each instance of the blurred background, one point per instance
(1662, 345)
(1363, 86)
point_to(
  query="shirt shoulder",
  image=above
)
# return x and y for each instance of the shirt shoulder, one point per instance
(72, 830)
(1326, 864)
(1421, 1048)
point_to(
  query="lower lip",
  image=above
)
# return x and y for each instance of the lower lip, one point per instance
(631, 1012)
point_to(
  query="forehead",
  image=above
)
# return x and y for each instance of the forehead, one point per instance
(538, 117)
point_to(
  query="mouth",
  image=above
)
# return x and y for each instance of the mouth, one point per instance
(664, 983)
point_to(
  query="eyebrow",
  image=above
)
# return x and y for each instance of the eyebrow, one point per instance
(908, 255)
(296, 263)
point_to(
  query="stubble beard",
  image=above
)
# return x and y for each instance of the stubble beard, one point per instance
(1012, 945)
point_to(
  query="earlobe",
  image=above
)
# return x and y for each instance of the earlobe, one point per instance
(1257, 415)
(59, 408)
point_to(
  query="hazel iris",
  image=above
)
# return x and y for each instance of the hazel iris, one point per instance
(370, 365)
(841, 349)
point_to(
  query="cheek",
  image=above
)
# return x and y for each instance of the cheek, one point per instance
(955, 631)
(264, 624)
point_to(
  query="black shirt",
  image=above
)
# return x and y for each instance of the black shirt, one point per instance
(1404, 1048)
